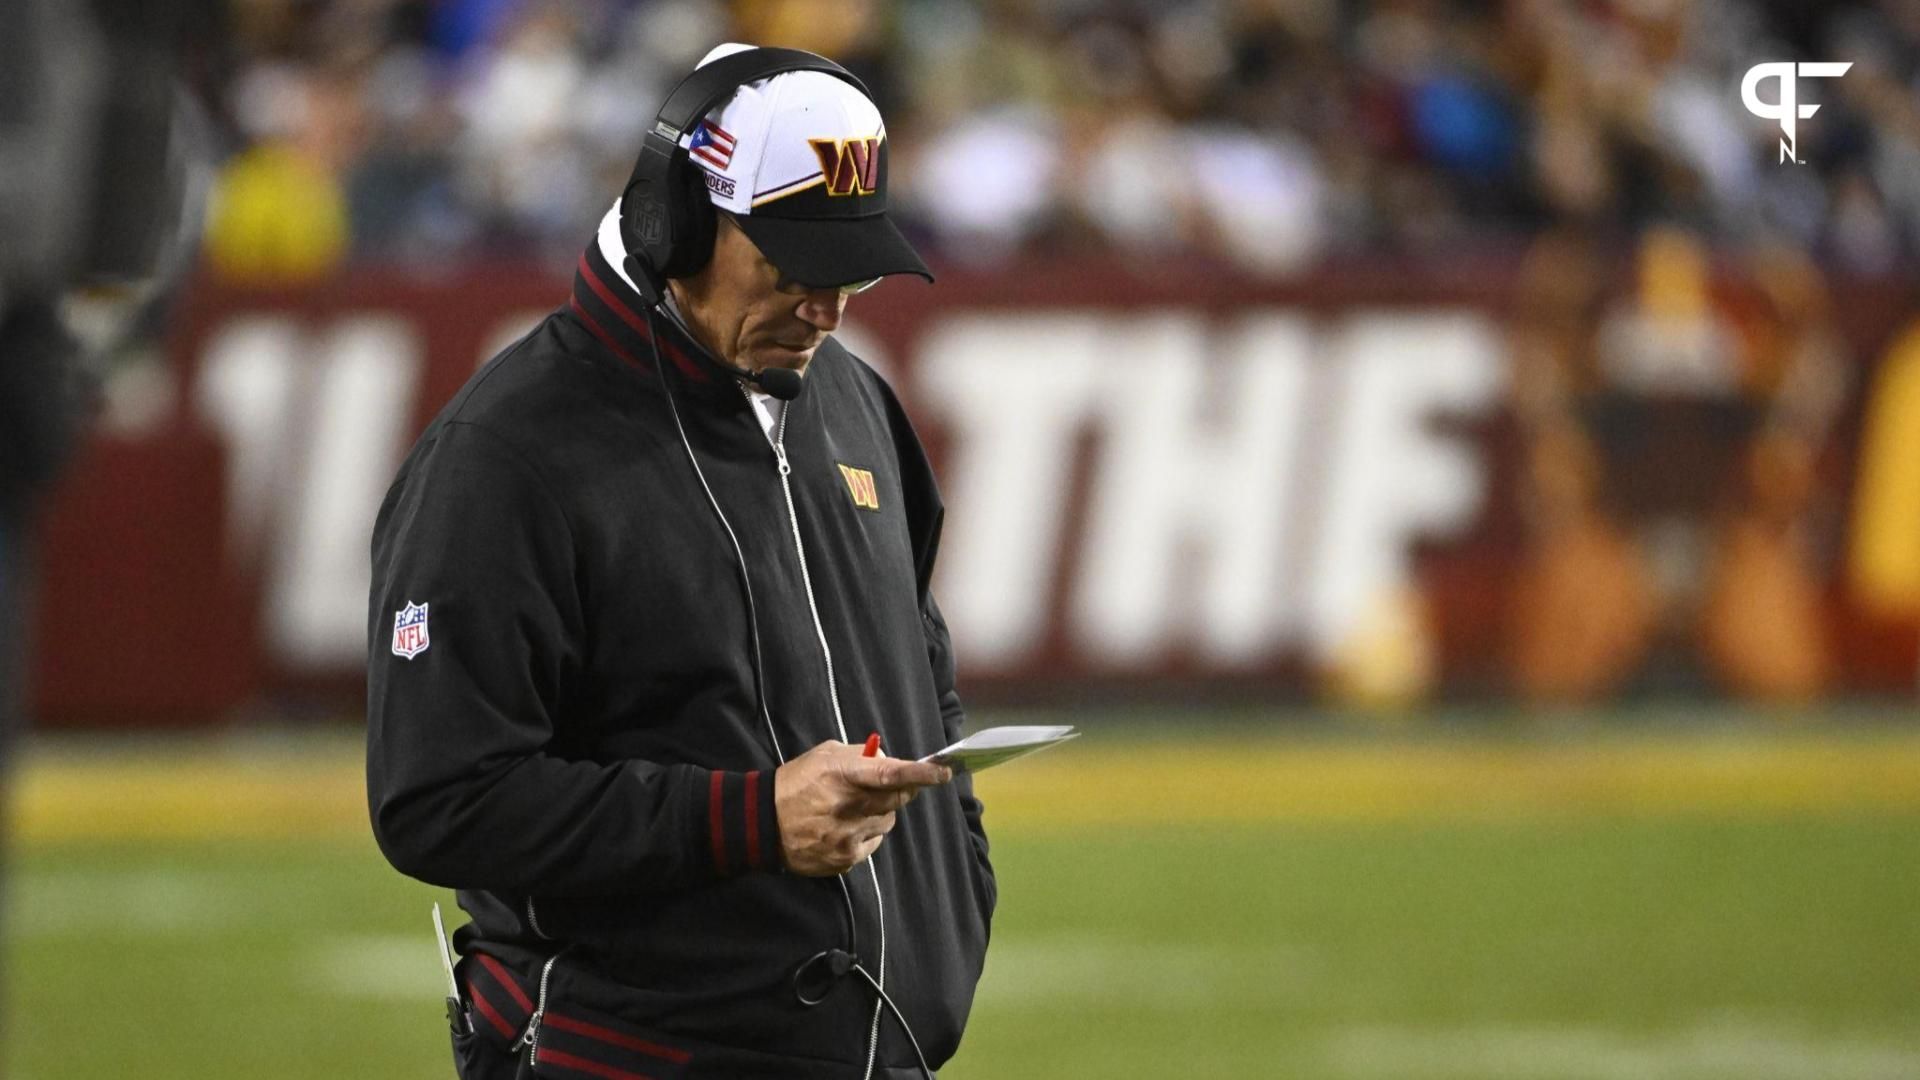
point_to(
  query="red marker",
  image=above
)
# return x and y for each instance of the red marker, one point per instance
(873, 746)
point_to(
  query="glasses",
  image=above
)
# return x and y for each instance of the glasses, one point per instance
(794, 288)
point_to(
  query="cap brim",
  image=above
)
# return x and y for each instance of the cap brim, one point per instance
(829, 252)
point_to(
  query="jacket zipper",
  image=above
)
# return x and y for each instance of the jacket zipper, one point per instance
(531, 1039)
(833, 691)
(533, 920)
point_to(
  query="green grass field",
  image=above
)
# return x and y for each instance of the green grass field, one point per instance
(1727, 905)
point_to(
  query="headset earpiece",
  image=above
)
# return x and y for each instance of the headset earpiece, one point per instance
(666, 216)
(693, 219)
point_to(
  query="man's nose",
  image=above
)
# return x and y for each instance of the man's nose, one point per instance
(821, 308)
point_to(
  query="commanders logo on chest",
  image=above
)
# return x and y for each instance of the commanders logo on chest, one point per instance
(860, 485)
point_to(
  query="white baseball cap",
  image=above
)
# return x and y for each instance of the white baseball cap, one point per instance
(800, 161)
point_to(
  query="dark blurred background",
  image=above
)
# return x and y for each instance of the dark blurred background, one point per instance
(1501, 354)
(1270, 135)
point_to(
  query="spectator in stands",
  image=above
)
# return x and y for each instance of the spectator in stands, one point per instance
(1269, 135)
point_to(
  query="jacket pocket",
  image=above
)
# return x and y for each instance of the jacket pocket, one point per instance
(983, 886)
(574, 1042)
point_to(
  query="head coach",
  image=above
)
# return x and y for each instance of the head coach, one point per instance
(640, 593)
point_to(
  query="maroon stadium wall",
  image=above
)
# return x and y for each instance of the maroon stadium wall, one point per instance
(1159, 486)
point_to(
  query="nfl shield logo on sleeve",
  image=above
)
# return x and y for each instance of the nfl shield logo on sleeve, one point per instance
(410, 631)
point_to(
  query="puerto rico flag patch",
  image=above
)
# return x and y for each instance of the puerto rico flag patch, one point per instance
(410, 631)
(711, 145)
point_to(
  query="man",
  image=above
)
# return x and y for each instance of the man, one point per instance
(619, 592)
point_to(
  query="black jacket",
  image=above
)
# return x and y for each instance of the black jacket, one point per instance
(578, 748)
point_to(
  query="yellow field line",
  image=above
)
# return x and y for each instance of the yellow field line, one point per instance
(1352, 782)
(1132, 783)
(117, 799)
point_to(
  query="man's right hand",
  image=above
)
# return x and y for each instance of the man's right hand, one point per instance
(835, 806)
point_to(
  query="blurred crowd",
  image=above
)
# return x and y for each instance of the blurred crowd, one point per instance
(1271, 134)
(1688, 366)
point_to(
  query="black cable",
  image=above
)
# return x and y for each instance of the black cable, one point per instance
(897, 1018)
(811, 985)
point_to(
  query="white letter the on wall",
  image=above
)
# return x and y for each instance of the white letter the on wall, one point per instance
(1013, 392)
(1187, 523)
(1392, 479)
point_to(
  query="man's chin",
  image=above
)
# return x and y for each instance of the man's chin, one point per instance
(775, 356)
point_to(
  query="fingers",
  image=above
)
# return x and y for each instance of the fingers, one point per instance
(893, 774)
(878, 827)
(857, 845)
(883, 772)
(864, 803)
(843, 850)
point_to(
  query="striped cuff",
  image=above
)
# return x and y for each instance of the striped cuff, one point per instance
(742, 832)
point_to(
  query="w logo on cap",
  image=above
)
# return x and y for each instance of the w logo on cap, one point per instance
(851, 166)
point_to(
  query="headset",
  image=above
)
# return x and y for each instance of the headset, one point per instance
(666, 219)
(667, 225)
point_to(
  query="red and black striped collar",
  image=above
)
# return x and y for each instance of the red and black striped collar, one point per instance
(612, 311)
